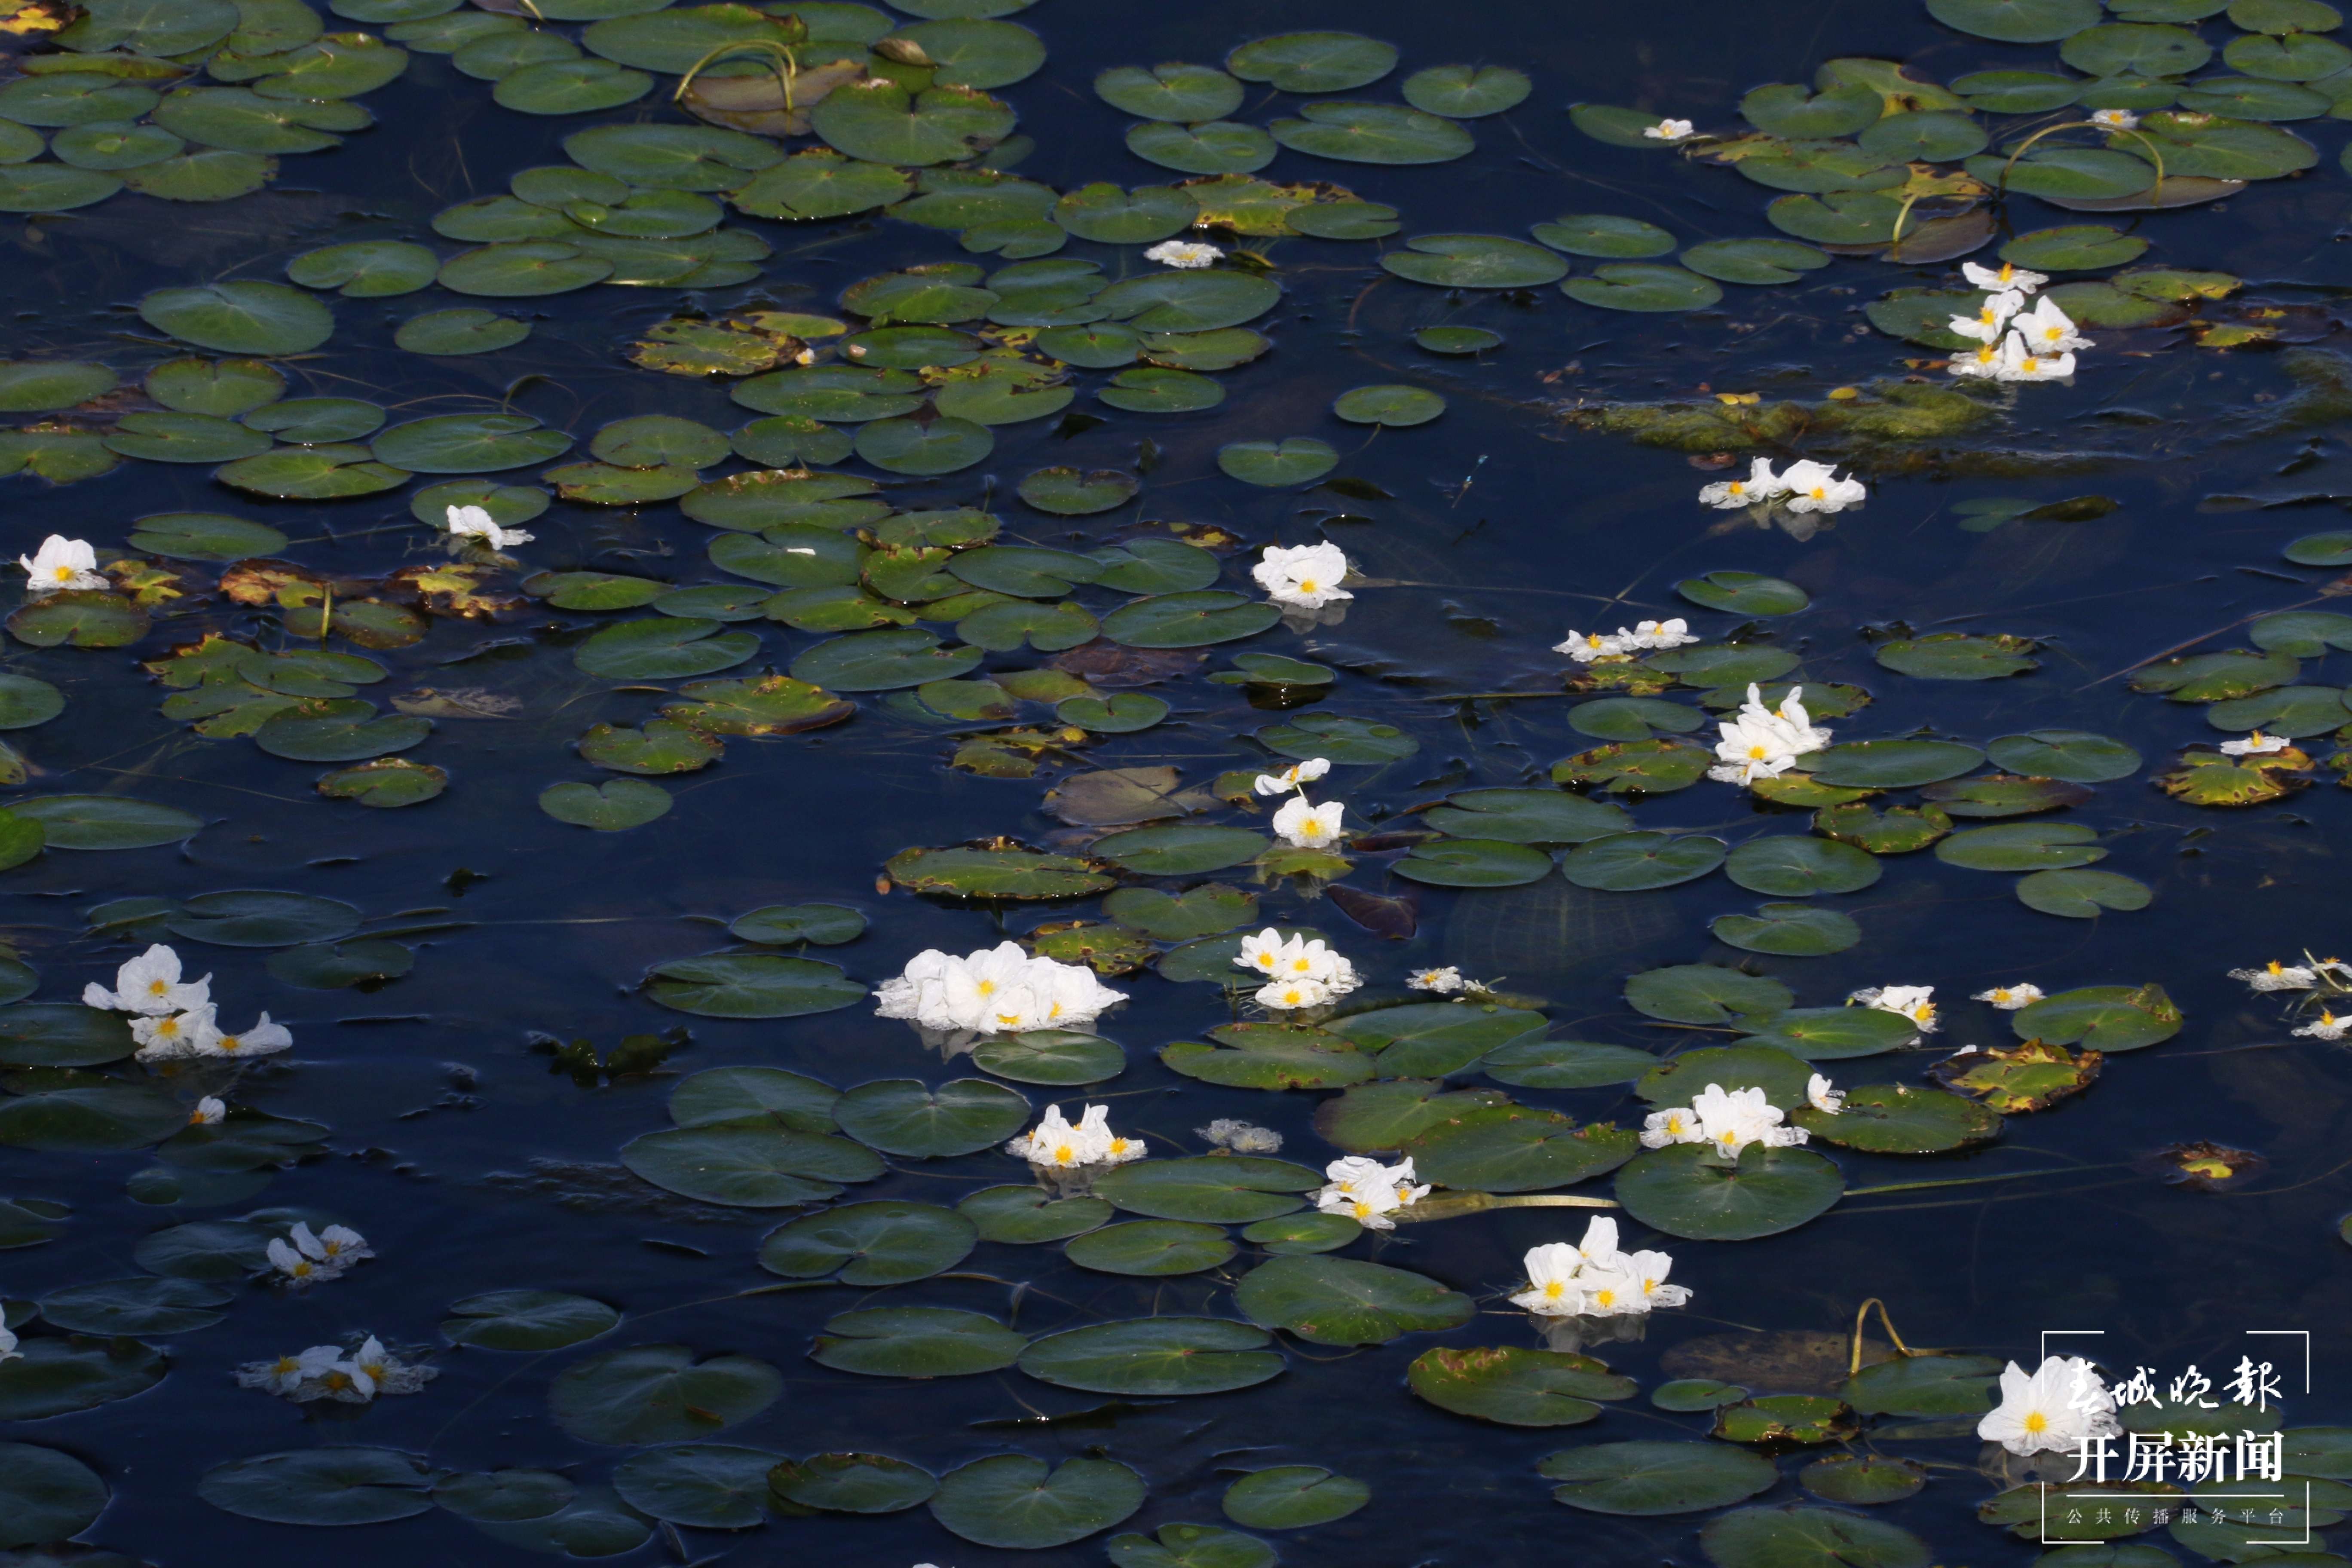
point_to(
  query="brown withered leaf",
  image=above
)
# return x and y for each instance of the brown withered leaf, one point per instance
(456, 702)
(767, 103)
(147, 583)
(264, 581)
(2032, 1076)
(1108, 665)
(1111, 798)
(2203, 1166)
(1788, 1361)
(1394, 917)
(211, 659)
(453, 593)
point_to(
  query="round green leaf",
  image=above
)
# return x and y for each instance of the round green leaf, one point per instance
(1466, 92)
(1476, 261)
(2076, 756)
(1225, 1189)
(527, 1321)
(1649, 1479)
(915, 1341)
(330, 1486)
(1795, 1537)
(1373, 133)
(899, 1116)
(1338, 1301)
(1517, 1386)
(659, 1394)
(1293, 1497)
(1293, 460)
(1155, 1357)
(1174, 92)
(1313, 62)
(1801, 930)
(882, 1243)
(1705, 994)
(2081, 894)
(1682, 1190)
(1150, 1249)
(852, 1483)
(1628, 862)
(106, 821)
(1789, 866)
(1473, 863)
(1892, 765)
(751, 985)
(242, 316)
(1016, 1501)
(1831, 1033)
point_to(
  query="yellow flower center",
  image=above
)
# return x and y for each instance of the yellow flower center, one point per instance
(2274, 967)
(1674, 1124)
(229, 1044)
(2032, 365)
(157, 987)
(1307, 586)
(1604, 1297)
(2006, 272)
(1302, 966)
(1064, 1153)
(1554, 1290)
(2036, 1423)
(987, 988)
(284, 1364)
(1738, 487)
(1363, 1210)
(1818, 492)
(1759, 752)
(63, 574)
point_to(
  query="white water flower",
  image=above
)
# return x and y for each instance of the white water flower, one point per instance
(1660, 633)
(1308, 826)
(1287, 995)
(475, 522)
(295, 1269)
(1761, 484)
(180, 1034)
(1445, 982)
(1916, 1003)
(1992, 318)
(1822, 1097)
(1593, 1279)
(2115, 118)
(1815, 486)
(1296, 958)
(2009, 998)
(1369, 1191)
(60, 564)
(1184, 253)
(1668, 130)
(995, 990)
(298, 1377)
(2021, 362)
(2053, 1410)
(375, 1370)
(2007, 277)
(150, 983)
(1649, 1270)
(2327, 1026)
(1552, 1291)
(1733, 1120)
(209, 1112)
(337, 1245)
(9, 1350)
(1296, 775)
(263, 1038)
(1305, 575)
(2048, 330)
(1586, 646)
(1241, 1136)
(2256, 744)
(1676, 1124)
(1983, 360)
(1053, 1142)
(1760, 742)
(2278, 976)
(1108, 1147)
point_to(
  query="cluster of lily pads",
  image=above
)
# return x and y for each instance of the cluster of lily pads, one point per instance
(190, 101)
(1050, 649)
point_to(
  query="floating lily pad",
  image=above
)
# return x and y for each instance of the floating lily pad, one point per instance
(1373, 133)
(1523, 815)
(915, 1341)
(527, 1320)
(1796, 1537)
(1958, 656)
(1616, 238)
(242, 316)
(1294, 1497)
(1338, 1301)
(2021, 846)
(610, 808)
(2105, 1018)
(899, 1116)
(1175, 93)
(33, 386)
(1187, 620)
(1017, 1501)
(884, 1243)
(1474, 261)
(1155, 1357)
(1789, 866)
(330, 1486)
(1833, 1034)
(1473, 863)
(1150, 1249)
(1226, 1189)
(1026, 1216)
(1893, 764)
(2081, 894)
(1705, 994)
(1293, 460)
(1628, 862)
(1794, 929)
(2076, 756)
(1924, 1386)
(852, 1483)
(1682, 1190)
(995, 873)
(1649, 1479)
(1897, 1118)
(106, 821)
(751, 985)
(1313, 62)
(659, 1394)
